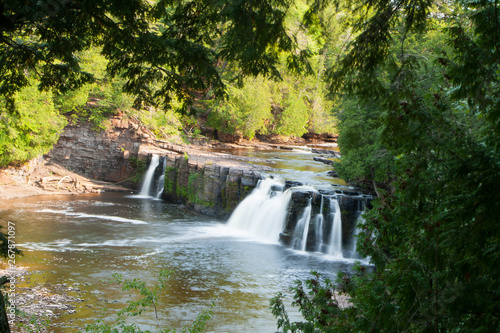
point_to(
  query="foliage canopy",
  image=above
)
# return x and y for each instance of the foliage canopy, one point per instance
(419, 84)
(416, 86)
(159, 47)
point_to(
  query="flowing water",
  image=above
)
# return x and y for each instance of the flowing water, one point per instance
(146, 185)
(262, 214)
(335, 246)
(296, 164)
(83, 240)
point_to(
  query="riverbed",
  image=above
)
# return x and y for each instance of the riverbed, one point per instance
(81, 241)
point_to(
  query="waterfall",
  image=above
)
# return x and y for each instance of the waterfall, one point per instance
(360, 221)
(301, 231)
(319, 232)
(318, 220)
(354, 253)
(262, 214)
(335, 246)
(149, 176)
(300, 217)
(161, 181)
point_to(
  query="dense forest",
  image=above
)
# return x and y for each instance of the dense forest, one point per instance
(232, 102)
(411, 86)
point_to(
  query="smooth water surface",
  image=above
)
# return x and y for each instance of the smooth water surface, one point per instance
(83, 240)
(295, 164)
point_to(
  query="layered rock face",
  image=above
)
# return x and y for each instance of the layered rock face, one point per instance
(209, 187)
(100, 154)
(351, 205)
(208, 183)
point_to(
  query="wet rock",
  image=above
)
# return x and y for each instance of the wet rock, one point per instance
(331, 153)
(332, 173)
(323, 160)
(351, 204)
(299, 201)
(292, 183)
(208, 186)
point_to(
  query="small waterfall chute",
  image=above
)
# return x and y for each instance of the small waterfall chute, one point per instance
(318, 220)
(360, 221)
(354, 252)
(161, 180)
(335, 245)
(149, 176)
(301, 232)
(262, 213)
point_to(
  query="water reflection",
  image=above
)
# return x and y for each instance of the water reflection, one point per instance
(296, 164)
(85, 239)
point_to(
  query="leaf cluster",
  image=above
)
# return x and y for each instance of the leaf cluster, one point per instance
(317, 301)
(160, 48)
(149, 298)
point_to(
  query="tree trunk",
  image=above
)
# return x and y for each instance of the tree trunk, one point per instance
(4, 321)
(372, 172)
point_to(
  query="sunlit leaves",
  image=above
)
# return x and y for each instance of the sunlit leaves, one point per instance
(32, 129)
(246, 111)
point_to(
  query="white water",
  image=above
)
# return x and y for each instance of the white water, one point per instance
(301, 231)
(262, 214)
(319, 227)
(92, 216)
(161, 180)
(148, 178)
(360, 222)
(335, 246)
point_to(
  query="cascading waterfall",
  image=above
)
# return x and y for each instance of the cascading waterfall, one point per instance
(335, 246)
(149, 176)
(360, 221)
(355, 253)
(301, 231)
(269, 214)
(161, 181)
(319, 227)
(301, 217)
(263, 212)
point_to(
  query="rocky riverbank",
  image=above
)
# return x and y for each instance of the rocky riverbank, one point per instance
(40, 177)
(86, 160)
(37, 304)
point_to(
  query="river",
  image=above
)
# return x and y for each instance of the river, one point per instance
(82, 241)
(294, 163)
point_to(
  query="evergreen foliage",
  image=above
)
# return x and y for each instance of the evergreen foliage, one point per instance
(365, 159)
(422, 87)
